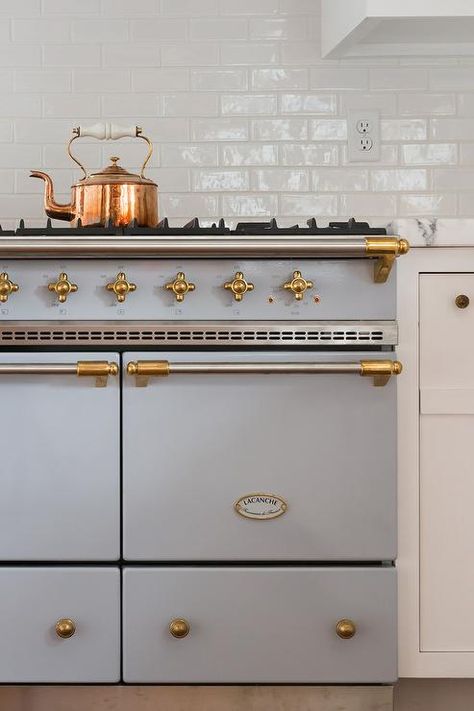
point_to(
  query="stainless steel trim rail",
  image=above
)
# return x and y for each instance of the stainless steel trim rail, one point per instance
(100, 370)
(380, 370)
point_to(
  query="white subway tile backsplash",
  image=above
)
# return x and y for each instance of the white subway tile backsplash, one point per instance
(56, 157)
(386, 103)
(171, 180)
(184, 205)
(216, 180)
(43, 130)
(398, 79)
(300, 53)
(19, 105)
(51, 29)
(339, 78)
(166, 130)
(7, 181)
(467, 153)
(117, 105)
(158, 79)
(466, 104)
(329, 129)
(114, 8)
(62, 180)
(100, 30)
(388, 155)
(419, 104)
(399, 179)
(190, 104)
(429, 153)
(220, 129)
(451, 78)
(249, 154)
(6, 81)
(219, 79)
(293, 129)
(6, 131)
(127, 55)
(101, 81)
(337, 179)
(248, 104)
(279, 78)
(403, 129)
(19, 55)
(71, 55)
(453, 179)
(73, 105)
(308, 103)
(452, 129)
(211, 28)
(189, 55)
(189, 8)
(423, 205)
(25, 8)
(248, 7)
(42, 82)
(249, 53)
(287, 28)
(249, 205)
(359, 205)
(157, 29)
(70, 7)
(177, 155)
(280, 180)
(15, 156)
(312, 154)
(308, 205)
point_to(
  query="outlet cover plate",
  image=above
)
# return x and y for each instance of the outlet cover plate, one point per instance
(363, 136)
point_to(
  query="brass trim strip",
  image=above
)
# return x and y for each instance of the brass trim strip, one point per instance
(380, 370)
(386, 249)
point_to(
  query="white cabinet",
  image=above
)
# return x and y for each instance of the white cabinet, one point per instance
(436, 473)
(60, 459)
(358, 28)
(34, 600)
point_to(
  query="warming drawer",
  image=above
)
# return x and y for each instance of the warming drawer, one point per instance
(224, 463)
(59, 625)
(258, 625)
(59, 443)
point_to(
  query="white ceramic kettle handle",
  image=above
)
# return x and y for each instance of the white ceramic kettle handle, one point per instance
(107, 131)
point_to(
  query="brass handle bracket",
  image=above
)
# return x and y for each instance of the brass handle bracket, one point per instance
(143, 370)
(100, 370)
(380, 370)
(386, 250)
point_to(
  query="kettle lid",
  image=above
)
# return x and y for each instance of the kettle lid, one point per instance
(114, 173)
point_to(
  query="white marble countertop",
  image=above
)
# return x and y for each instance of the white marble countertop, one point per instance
(432, 232)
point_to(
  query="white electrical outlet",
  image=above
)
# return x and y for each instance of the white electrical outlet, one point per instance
(363, 135)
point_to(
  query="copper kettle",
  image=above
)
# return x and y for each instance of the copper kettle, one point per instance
(111, 196)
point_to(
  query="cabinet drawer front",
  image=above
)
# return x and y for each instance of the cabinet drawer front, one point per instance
(259, 625)
(33, 600)
(446, 336)
(59, 489)
(213, 440)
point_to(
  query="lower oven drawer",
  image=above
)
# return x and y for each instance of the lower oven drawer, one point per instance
(259, 625)
(275, 465)
(40, 604)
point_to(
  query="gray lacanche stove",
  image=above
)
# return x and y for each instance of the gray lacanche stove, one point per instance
(221, 508)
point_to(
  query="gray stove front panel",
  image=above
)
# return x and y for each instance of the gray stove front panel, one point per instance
(344, 289)
(196, 444)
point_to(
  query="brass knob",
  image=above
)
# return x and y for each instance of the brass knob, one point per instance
(298, 285)
(179, 628)
(238, 286)
(462, 301)
(121, 287)
(7, 287)
(180, 286)
(62, 287)
(346, 629)
(65, 627)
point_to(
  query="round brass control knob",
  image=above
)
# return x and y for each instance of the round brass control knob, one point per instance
(121, 287)
(65, 627)
(63, 287)
(462, 301)
(7, 287)
(346, 629)
(180, 286)
(298, 285)
(238, 286)
(179, 628)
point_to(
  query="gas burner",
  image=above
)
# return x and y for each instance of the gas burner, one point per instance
(193, 228)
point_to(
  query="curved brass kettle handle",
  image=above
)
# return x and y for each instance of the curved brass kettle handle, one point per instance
(109, 131)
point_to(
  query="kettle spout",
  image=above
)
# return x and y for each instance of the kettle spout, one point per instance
(53, 209)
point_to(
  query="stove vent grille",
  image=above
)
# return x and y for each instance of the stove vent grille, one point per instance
(198, 334)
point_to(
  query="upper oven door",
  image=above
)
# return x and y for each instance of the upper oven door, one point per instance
(247, 466)
(59, 446)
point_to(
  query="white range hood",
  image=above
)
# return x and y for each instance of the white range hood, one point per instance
(366, 28)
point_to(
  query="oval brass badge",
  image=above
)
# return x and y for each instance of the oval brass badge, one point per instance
(260, 506)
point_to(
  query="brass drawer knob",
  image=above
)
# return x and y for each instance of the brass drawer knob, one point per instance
(298, 285)
(346, 629)
(65, 627)
(7, 287)
(179, 628)
(238, 286)
(462, 301)
(180, 286)
(62, 287)
(121, 286)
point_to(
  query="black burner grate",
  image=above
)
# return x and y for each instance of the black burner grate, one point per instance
(334, 229)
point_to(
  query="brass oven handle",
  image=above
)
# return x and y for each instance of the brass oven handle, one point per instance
(380, 370)
(100, 370)
(109, 132)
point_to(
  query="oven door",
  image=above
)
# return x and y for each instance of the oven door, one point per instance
(224, 462)
(59, 443)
